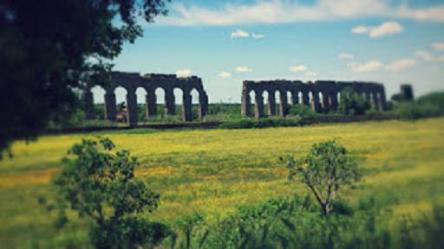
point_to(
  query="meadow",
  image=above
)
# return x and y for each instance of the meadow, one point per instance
(212, 172)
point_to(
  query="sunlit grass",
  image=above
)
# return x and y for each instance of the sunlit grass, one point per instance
(213, 171)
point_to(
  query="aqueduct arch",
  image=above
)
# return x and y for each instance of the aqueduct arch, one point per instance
(321, 96)
(149, 82)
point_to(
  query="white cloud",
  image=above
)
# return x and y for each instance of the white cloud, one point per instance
(400, 65)
(424, 55)
(257, 36)
(346, 56)
(310, 74)
(239, 34)
(429, 57)
(298, 69)
(245, 34)
(284, 11)
(243, 69)
(360, 29)
(370, 66)
(386, 28)
(438, 46)
(431, 14)
(183, 73)
(224, 75)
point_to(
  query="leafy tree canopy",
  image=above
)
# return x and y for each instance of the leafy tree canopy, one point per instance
(49, 47)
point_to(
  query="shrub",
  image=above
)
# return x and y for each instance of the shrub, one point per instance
(260, 123)
(301, 110)
(436, 99)
(415, 110)
(100, 185)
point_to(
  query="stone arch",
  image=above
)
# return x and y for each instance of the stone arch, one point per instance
(290, 100)
(159, 93)
(141, 96)
(266, 103)
(300, 97)
(120, 93)
(195, 105)
(128, 111)
(91, 97)
(195, 96)
(178, 95)
(98, 94)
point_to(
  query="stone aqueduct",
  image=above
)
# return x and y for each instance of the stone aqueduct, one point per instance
(321, 96)
(150, 82)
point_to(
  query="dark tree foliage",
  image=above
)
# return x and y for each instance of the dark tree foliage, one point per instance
(100, 186)
(49, 47)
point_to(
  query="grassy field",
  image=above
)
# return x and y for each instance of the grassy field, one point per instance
(214, 171)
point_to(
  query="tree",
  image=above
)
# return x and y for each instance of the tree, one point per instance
(325, 170)
(100, 185)
(351, 103)
(50, 48)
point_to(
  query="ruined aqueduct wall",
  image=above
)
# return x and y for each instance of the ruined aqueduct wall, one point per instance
(149, 82)
(321, 96)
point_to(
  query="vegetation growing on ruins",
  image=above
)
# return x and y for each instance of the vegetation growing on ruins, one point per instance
(213, 172)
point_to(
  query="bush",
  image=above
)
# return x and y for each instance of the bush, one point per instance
(301, 110)
(435, 99)
(415, 110)
(100, 185)
(260, 123)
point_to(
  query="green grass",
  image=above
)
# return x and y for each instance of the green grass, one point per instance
(214, 171)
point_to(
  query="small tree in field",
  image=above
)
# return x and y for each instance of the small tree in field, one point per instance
(100, 185)
(325, 170)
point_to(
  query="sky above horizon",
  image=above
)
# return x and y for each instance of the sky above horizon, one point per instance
(226, 42)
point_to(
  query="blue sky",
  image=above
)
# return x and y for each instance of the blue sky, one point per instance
(226, 42)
